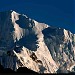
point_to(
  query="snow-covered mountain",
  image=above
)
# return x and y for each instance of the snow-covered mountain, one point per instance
(25, 42)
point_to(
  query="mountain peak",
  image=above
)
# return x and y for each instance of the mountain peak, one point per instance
(37, 46)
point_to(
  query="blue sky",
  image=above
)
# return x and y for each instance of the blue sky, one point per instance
(59, 13)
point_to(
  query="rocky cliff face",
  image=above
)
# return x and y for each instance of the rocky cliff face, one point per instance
(37, 46)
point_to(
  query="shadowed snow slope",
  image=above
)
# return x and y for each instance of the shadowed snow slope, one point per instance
(26, 43)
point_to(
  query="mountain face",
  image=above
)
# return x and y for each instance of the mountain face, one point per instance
(26, 43)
